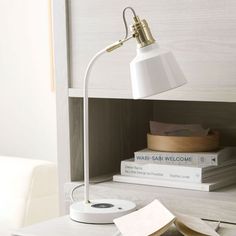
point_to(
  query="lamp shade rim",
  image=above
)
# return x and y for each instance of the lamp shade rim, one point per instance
(135, 97)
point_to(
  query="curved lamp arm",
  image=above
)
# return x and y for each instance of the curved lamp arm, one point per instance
(86, 112)
(86, 125)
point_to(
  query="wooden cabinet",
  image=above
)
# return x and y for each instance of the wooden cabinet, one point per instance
(202, 35)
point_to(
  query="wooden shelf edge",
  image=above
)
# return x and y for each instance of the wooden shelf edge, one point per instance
(225, 95)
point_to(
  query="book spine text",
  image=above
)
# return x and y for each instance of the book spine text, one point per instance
(177, 173)
(187, 159)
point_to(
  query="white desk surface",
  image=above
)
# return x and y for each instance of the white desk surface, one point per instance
(64, 226)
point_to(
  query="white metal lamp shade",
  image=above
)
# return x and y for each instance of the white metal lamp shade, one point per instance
(154, 70)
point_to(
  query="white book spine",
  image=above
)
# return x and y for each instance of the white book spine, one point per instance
(187, 159)
(162, 183)
(200, 159)
(222, 182)
(176, 173)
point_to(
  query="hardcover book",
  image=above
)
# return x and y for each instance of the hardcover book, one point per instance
(198, 159)
(213, 184)
(172, 172)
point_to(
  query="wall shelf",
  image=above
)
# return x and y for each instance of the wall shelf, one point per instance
(187, 94)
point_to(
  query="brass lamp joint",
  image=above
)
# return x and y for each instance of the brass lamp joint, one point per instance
(114, 46)
(118, 44)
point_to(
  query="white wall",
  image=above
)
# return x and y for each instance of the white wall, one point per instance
(27, 104)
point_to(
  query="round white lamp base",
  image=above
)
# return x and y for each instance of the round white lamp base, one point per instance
(101, 211)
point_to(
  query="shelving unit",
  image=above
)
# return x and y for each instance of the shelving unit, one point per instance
(204, 43)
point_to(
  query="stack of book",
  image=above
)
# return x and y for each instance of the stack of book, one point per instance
(204, 171)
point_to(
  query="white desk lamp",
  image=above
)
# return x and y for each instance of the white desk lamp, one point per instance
(153, 70)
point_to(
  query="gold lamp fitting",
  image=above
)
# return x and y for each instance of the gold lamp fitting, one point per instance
(141, 32)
